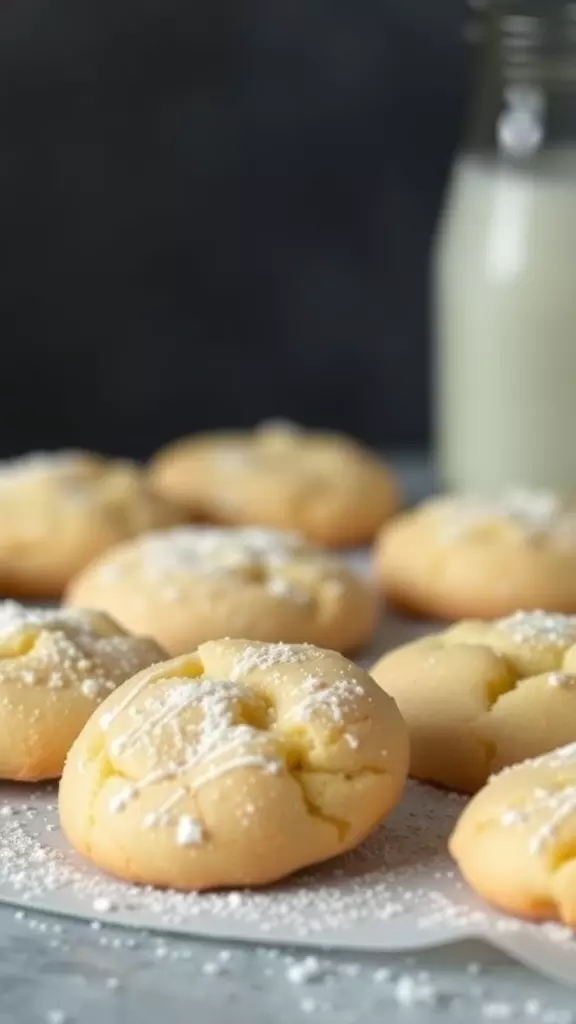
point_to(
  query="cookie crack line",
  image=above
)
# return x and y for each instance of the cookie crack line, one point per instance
(313, 808)
(108, 771)
(489, 746)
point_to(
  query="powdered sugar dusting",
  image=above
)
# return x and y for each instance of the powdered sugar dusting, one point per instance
(540, 628)
(189, 831)
(14, 617)
(218, 741)
(68, 648)
(268, 656)
(550, 802)
(536, 514)
(560, 679)
(269, 558)
(207, 550)
(401, 877)
(333, 698)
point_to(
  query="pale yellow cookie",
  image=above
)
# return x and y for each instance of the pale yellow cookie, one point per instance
(515, 841)
(194, 583)
(56, 667)
(485, 695)
(464, 557)
(59, 510)
(235, 765)
(326, 486)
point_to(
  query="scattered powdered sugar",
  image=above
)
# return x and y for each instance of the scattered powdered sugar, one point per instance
(92, 688)
(212, 968)
(498, 1011)
(539, 627)
(102, 905)
(555, 803)
(189, 831)
(15, 617)
(170, 558)
(556, 679)
(537, 514)
(400, 874)
(56, 1017)
(267, 656)
(302, 971)
(208, 550)
(68, 649)
(333, 698)
(414, 990)
(559, 758)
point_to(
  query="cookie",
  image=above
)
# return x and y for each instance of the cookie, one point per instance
(325, 486)
(235, 765)
(194, 583)
(59, 510)
(463, 557)
(56, 667)
(481, 695)
(514, 842)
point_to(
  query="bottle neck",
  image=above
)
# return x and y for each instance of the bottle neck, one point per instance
(525, 97)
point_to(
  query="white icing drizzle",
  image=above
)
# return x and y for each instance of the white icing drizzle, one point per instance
(556, 803)
(539, 627)
(205, 720)
(109, 716)
(211, 743)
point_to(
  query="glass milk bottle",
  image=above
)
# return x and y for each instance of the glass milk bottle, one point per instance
(504, 264)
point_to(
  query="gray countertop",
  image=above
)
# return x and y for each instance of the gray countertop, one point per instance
(60, 971)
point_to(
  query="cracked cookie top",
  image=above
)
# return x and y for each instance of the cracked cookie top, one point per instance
(56, 666)
(515, 840)
(60, 510)
(197, 583)
(234, 765)
(484, 695)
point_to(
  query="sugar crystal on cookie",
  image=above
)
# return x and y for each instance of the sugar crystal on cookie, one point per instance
(539, 627)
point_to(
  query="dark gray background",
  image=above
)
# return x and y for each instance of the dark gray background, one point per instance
(215, 211)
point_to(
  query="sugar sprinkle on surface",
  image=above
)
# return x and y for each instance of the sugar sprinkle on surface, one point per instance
(371, 886)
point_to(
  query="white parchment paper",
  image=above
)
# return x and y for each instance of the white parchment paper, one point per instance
(398, 891)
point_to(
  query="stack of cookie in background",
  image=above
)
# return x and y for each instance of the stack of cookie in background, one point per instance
(227, 762)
